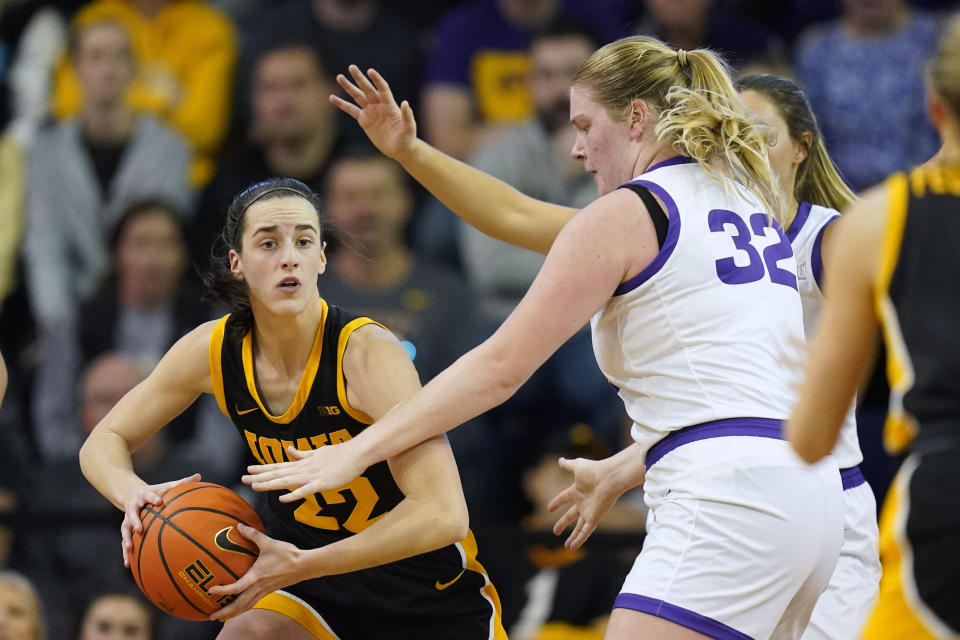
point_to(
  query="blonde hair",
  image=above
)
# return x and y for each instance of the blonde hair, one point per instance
(944, 67)
(818, 180)
(24, 586)
(697, 107)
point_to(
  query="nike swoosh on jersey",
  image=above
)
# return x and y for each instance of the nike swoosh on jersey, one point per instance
(224, 542)
(245, 411)
(441, 586)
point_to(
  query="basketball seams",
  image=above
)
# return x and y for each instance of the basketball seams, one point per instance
(151, 514)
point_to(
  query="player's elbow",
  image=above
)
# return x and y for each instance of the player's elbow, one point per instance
(456, 526)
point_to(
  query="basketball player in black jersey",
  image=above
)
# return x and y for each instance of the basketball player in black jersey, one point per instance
(897, 270)
(387, 555)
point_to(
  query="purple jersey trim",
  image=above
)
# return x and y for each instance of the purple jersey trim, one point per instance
(816, 260)
(803, 212)
(759, 427)
(851, 477)
(669, 244)
(669, 162)
(678, 615)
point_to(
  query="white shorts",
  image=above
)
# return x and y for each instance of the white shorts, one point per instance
(742, 537)
(843, 608)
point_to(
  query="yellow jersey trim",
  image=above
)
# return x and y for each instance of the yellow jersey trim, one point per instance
(306, 378)
(216, 369)
(469, 548)
(345, 334)
(298, 611)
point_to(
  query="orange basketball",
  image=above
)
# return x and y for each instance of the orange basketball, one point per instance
(189, 544)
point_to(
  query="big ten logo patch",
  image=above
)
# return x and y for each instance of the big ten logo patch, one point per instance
(198, 577)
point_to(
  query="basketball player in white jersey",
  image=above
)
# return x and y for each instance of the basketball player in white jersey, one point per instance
(808, 176)
(691, 286)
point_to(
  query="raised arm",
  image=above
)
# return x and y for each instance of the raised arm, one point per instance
(181, 376)
(432, 514)
(847, 331)
(482, 201)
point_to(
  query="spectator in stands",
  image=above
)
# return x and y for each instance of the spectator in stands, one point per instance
(117, 615)
(186, 52)
(476, 73)
(83, 172)
(863, 77)
(32, 39)
(549, 592)
(535, 158)
(21, 615)
(374, 272)
(369, 33)
(691, 24)
(146, 303)
(293, 131)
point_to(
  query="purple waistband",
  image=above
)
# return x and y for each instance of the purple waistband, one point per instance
(758, 427)
(851, 477)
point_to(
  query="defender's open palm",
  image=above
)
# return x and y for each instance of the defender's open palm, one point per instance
(592, 498)
(390, 127)
(329, 467)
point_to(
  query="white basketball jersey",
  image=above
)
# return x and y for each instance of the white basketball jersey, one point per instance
(805, 234)
(713, 327)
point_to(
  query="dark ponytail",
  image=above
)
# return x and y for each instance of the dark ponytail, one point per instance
(221, 285)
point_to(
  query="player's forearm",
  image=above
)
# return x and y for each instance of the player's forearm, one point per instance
(411, 528)
(106, 464)
(478, 381)
(484, 202)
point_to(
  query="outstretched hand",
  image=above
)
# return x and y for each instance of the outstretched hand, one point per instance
(329, 467)
(391, 128)
(592, 498)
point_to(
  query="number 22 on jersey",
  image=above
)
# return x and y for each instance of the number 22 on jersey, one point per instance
(744, 239)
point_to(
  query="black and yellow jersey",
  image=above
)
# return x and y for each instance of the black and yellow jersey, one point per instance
(319, 414)
(445, 590)
(918, 303)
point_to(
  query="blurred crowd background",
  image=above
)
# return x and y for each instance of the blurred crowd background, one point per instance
(129, 125)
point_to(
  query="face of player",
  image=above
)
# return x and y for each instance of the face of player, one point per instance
(281, 254)
(18, 614)
(104, 63)
(786, 154)
(151, 258)
(289, 96)
(368, 199)
(116, 618)
(603, 144)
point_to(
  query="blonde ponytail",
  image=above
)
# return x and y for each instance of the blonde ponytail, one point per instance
(698, 109)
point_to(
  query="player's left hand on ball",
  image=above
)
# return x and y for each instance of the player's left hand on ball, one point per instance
(329, 467)
(278, 565)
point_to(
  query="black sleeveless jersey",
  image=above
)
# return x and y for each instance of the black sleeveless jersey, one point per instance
(918, 302)
(320, 414)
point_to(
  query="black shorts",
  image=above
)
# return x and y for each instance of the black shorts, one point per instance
(444, 594)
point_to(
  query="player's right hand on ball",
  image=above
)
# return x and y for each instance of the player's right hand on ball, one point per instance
(390, 127)
(142, 496)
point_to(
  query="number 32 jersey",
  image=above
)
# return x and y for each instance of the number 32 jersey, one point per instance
(713, 327)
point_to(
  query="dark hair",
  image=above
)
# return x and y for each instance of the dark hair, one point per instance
(221, 285)
(818, 180)
(364, 151)
(565, 29)
(117, 592)
(129, 214)
(293, 42)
